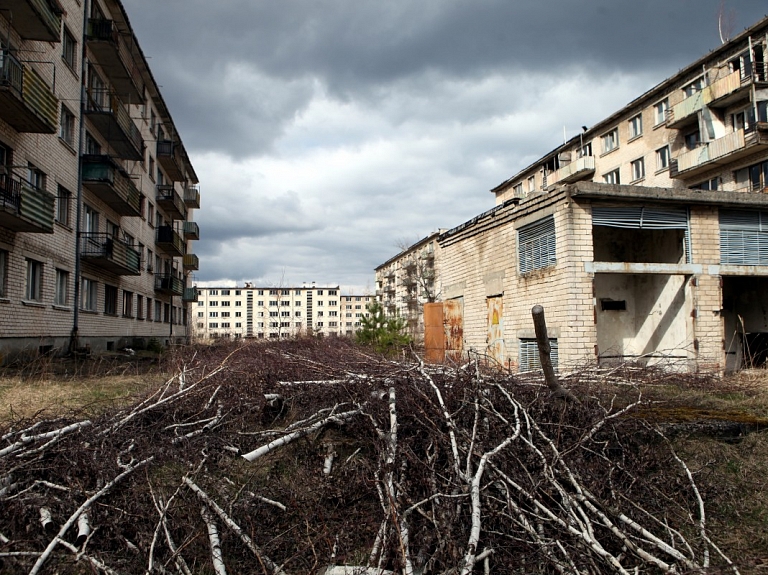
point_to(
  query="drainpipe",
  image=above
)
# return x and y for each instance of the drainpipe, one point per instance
(74, 341)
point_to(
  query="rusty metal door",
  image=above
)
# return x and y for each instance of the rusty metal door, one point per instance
(453, 324)
(434, 334)
(495, 334)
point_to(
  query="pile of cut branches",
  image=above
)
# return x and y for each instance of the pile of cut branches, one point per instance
(318, 457)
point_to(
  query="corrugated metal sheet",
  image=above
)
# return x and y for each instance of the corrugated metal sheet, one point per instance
(495, 336)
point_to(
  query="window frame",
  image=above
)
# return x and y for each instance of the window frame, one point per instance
(662, 158)
(637, 166)
(33, 290)
(635, 125)
(660, 109)
(614, 175)
(610, 140)
(61, 291)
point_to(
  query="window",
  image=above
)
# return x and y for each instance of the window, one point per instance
(110, 300)
(273, 292)
(585, 150)
(35, 177)
(532, 184)
(34, 291)
(92, 147)
(213, 314)
(213, 303)
(333, 313)
(225, 314)
(238, 304)
(3, 272)
(536, 245)
(63, 202)
(709, 185)
(127, 304)
(662, 158)
(754, 177)
(529, 354)
(158, 310)
(213, 292)
(225, 324)
(151, 169)
(693, 87)
(260, 292)
(297, 314)
(333, 302)
(320, 314)
(638, 169)
(167, 313)
(67, 126)
(612, 177)
(225, 292)
(91, 220)
(285, 292)
(88, 297)
(610, 140)
(139, 307)
(285, 303)
(692, 140)
(61, 295)
(636, 126)
(273, 302)
(68, 48)
(660, 112)
(260, 302)
(744, 237)
(150, 214)
(319, 292)
(297, 292)
(358, 306)
(201, 314)
(238, 314)
(237, 292)
(319, 324)
(320, 303)
(331, 292)
(285, 314)
(238, 324)
(213, 324)
(273, 314)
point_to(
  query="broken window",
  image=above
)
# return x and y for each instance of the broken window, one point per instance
(536, 245)
(640, 234)
(744, 237)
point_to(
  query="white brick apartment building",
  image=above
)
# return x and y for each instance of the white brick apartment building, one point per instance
(96, 188)
(645, 237)
(275, 313)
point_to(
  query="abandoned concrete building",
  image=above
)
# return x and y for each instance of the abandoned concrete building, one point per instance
(405, 282)
(645, 237)
(96, 187)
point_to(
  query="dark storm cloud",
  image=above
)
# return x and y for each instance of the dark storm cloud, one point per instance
(324, 131)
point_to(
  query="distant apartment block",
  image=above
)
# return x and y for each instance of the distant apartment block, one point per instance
(96, 188)
(276, 313)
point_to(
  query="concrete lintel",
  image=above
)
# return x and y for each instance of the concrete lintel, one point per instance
(642, 268)
(733, 270)
(454, 290)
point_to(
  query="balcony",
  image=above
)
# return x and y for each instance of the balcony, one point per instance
(580, 169)
(169, 157)
(111, 119)
(720, 151)
(687, 111)
(111, 184)
(26, 101)
(111, 51)
(192, 197)
(23, 207)
(110, 254)
(190, 294)
(169, 284)
(36, 19)
(171, 202)
(191, 231)
(191, 262)
(170, 242)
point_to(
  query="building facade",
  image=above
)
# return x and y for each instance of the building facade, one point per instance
(645, 237)
(275, 313)
(96, 188)
(405, 282)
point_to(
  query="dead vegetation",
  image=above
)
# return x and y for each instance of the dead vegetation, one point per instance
(309, 456)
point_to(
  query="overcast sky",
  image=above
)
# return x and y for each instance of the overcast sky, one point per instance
(326, 133)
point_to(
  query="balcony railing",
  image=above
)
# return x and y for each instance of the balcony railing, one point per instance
(169, 157)
(111, 184)
(721, 150)
(687, 110)
(170, 242)
(110, 254)
(23, 207)
(192, 197)
(113, 122)
(191, 262)
(579, 169)
(191, 231)
(171, 202)
(169, 284)
(26, 101)
(36, 19)
(190, 294)
(113, 53)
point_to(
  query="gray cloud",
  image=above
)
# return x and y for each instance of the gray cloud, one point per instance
(323, 131)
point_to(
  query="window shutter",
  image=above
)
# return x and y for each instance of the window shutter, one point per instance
(743, 238)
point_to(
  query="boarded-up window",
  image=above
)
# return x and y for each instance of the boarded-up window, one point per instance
(536, 245)
(529, 354)
(744, 238)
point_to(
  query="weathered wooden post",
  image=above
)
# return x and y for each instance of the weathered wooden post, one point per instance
(542, 340)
